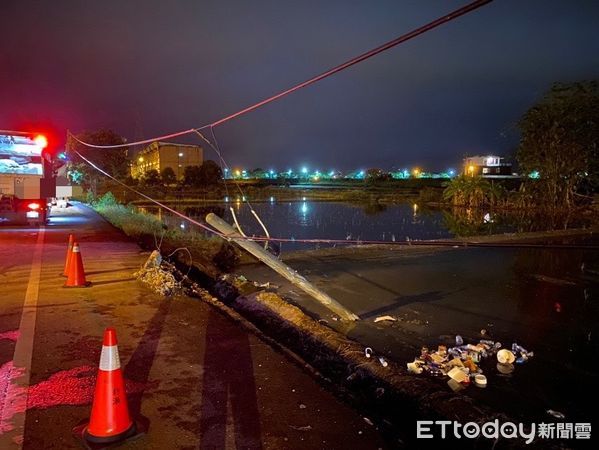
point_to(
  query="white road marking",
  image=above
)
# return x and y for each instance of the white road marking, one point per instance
(15, 406)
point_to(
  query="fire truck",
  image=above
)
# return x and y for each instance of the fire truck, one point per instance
(27, 181)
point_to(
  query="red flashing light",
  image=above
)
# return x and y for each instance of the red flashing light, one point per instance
(34, 206)
(41, 141)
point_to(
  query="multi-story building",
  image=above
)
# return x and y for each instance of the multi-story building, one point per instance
(487, 166)
(160, 155)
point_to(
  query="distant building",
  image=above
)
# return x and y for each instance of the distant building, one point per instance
(160, 155)
(487, 166)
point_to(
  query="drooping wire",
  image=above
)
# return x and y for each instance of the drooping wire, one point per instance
(216, 147)
(349, 63)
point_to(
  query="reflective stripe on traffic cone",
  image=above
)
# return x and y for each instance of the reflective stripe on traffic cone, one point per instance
(67, 261)
(109, 422)
(76, 275)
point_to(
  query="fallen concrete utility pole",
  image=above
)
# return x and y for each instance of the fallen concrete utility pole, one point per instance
(279, 267)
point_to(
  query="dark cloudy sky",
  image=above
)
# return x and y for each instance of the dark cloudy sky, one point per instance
(146, 67)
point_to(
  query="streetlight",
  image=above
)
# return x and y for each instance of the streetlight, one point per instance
(416, 172)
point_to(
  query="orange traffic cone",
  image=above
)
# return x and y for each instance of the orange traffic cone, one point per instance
(76, 275)
(65, 272)
(109, 422)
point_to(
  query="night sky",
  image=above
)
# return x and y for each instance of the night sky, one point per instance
(147, 67)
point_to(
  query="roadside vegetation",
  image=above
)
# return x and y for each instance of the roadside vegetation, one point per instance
(211, 253)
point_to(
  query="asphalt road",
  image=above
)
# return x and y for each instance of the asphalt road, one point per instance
(201, 380)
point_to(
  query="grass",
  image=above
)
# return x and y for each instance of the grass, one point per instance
(213, 254)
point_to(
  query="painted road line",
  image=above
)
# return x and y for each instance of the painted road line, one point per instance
(12, 420)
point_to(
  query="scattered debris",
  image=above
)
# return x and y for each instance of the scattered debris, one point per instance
(556, 414)
(384, 318)
(368, 421)
(368, 352)
(461, 363)
(267, 285)
(504, 356)
(383, 362)
(158, 274)
(480, 380)
(302, 406)
(304, 428)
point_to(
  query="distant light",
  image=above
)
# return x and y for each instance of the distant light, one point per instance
(41, 141)
(237, 173)
(243, 198)
(272, 199)
(227, 199)
(226, 169)
(416, 171)
(304, 208)
(140, 159)
(33, 206)
(331, 173)
(289, 172)
(271, 172)
(303, 199)
(182, 225)
(304, 170)
(181, 154)
(451, 172)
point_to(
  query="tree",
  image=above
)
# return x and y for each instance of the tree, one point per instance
(210, 173)
(113, 161)
(373, 175)
(151, 178)
(191, 176)
(560, 136)
(168, 176)
(470, 191)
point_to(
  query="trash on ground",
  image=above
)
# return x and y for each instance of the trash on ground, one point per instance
(158, 274)
(504, 356)
(556, 414)
(480, 380)
(368, 421)
(462, 362)
(304, 428)
(368, 352)
(383, 362)
(267, 285)
(383, 318)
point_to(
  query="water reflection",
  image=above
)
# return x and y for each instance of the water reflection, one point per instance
(371, 221)
(470, 221)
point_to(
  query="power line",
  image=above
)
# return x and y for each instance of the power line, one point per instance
(358, 59)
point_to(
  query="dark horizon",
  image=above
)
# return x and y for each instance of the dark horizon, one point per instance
(144, 69)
